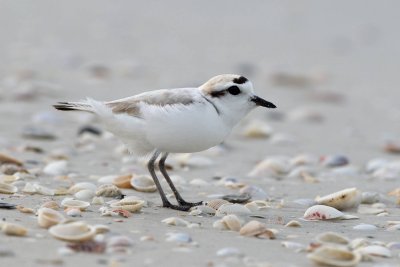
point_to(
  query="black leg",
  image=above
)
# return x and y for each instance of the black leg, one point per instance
(166, 203)
(178, 197)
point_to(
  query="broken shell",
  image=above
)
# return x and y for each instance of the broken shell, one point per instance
(298, 247)
(81, 186)
(216, 203)
(143, 183)
(56, 168)
(25, 209)
(332, 238)
(7, 189)
(233, 198)
(232, 222)
(123, 181)
(230, 208)
(5, 159)
(293, 223)
(257, 229)
(334, 256)
(42, 190)
(256, 193)
(85, 194)
(321, 212)
(29, 188)
(129, 204)
(51, 205)
(8, 179)
(375, 250)
(14, 229)
(108, 190)
(341, 200)
(49, 217)
(73, 212)
(73, 232)
(358, 243)
(201, 210)
(175, 221)
(73, 203)
(97, 201)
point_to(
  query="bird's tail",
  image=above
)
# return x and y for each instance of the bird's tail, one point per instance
(68, 106)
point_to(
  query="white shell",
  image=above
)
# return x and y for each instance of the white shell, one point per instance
(109, 179)
(143, 183)
(256, 193)
(375, 250)
(175, 221)
(130, 204)
(97, 200)
(202, 210)
(321, 212)
(73, 212)
(42, 190)
(365, 227)
(232, 222)
(108, 190)
(230, 208)
(369, 210)
(178, 238)
(7, 179)
(84, 194)
(271, 167)
(7, 189)
(341, 200)
(257, 229)
(229, 252)
(332, 238)
(293, 245)
(56, 168)
(49, 217)
(81, 186)
(74, 203)
(334, 256)
(73, 232)
(293, 223)
(29, 188)
(370, 197)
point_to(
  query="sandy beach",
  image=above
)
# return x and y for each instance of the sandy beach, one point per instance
(331, 68)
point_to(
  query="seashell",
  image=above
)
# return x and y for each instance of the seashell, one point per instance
(175, 221)
(242, 198)
(393, 245)
(304, 159)
(307, 202)
(8, 179)
(123, 181)
(56, 168)
(230, 182)
(293, 223)
(101, 228)
(73, 232)
(370, 210)
(143, 183)
(334, 256)
(257, 205)
(108, 190)
(178, 238)
(51, 205)
(334, 161)
(230, 208)
(29, 188)
(358, 243)
(42, 190)
(255, 192)
(298, 247)
(73, 212)
(97, 201)
(257, 229)
(375, 164)
(216, 203)
(81, 186)
(193, 161)
(74, 203)
(332, 238)
(199, 182)
(6, 159)
(257, 129)
(232, 222)
(129, 204)
(48, 217)
(120, 241)
(271, 167)
(14, 229)
(24, 209)
(341, 200)
(109, 179)
(85, 194)
(104, 211)
(321, 212)
(7, 189)
(365, 227)
(201, 210)
(370, 197)
(229, 252)
(375, 250)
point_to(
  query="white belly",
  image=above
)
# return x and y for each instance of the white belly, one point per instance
(184, 129)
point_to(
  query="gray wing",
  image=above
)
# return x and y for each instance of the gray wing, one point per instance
(163, 97)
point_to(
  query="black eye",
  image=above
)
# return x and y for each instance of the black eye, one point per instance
(234, 90)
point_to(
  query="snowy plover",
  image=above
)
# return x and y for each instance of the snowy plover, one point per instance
(181, 120)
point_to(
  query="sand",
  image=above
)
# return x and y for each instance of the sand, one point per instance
(342, 98)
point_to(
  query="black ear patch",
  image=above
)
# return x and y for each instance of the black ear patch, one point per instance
(218, 93)
(240, 80)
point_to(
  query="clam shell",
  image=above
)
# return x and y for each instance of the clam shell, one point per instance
(332, 238)
(85, 194)
(108, 190)
(321, 212)
(293, 223)
(129, 204)
(7, 179)
(49, 217)
(143, 183)
(56, 168)
(73, 232)
(29, 188)
(230, 208)
(201, 210)
(271, 167)
(375, 250)
(365, 227)
(81, 186)
(232, 222)
(257, 229)
(334, 256)
(42, 190)
(216, 203)
(7, 189)
(175, 221)
(14, 229)
(341, 200)
(51, 205)
(74, 203)
(123, 181)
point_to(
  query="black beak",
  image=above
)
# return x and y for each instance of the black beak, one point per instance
(261, 102)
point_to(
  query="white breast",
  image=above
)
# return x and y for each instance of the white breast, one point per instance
(184, 128)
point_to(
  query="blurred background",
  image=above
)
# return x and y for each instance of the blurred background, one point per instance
(330, 67)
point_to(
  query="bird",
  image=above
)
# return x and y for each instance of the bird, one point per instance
(156, 123)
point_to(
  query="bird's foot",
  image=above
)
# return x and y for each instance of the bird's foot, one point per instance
(176, 207)
(190, 204)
